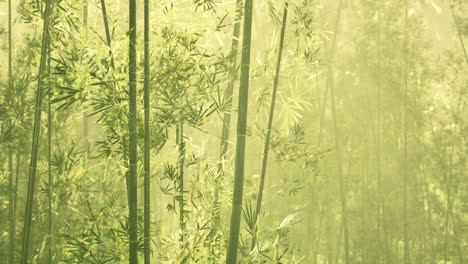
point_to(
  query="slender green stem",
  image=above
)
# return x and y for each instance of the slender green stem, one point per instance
(227, 115)
(234, 230)
(342, 184)
(132, 129)
(266, 147)
(228, 95)
(11, 203)
(15, 197)
(456, 233)
(406, 256)
(147, 165)
(106, 27)
(35, 137)
(429, 215)
(460, 37)
(181, 144)
(85, 111)
(381, 216)
(49, 166)
(11, 207)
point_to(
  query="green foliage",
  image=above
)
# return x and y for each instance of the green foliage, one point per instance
(192, 57)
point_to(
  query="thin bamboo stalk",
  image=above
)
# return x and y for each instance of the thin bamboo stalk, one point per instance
(85, 111)
(11, 206)
(147, 158)
(381, 217)
(429, 215)
(49, 168)
(457, 240)
(106, 27)
(238, 189)
(270, 124)
(227, 115)
(405, 145)
(342, 185)
(35, 137)
(11, 203)
(15, 196)
(228, 95)
(132, 146)
(457, 26)
(181, 144)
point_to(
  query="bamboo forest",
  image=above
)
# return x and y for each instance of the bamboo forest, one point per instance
(233, 131)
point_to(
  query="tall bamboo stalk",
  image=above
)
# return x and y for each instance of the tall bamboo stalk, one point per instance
(456, 232)
(227, 115)
(11, 202)
(228, 95)
(147, 165)
(270, 124)
(231, 257)
(35, 137)
(11, 206)
(15, 195)
(85, 111)
(457, 26)
(132, 146)
(106, 27)
(429, 215)
(381, 217)
(449, 203)
(49, 167)
(181, 145)
(342, 185)
(405, 144)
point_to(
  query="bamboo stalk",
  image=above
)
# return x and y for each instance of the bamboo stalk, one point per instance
(227, 115)
(181, 144)
(11, 206)
(15, 197)
(456, 232)
(429, 215)
(147, 158)
(49, 167)
(85, 111)
(35, 137)
(381, 210)
(106, 27)
(231, 257)
(228, 95)
(11, 203)
(132, 146)
(270, 124)
(342, 185)
(405, 145)
(460, 38)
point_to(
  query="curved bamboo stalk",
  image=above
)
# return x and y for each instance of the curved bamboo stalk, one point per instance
(238, 189)
(270, 124)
